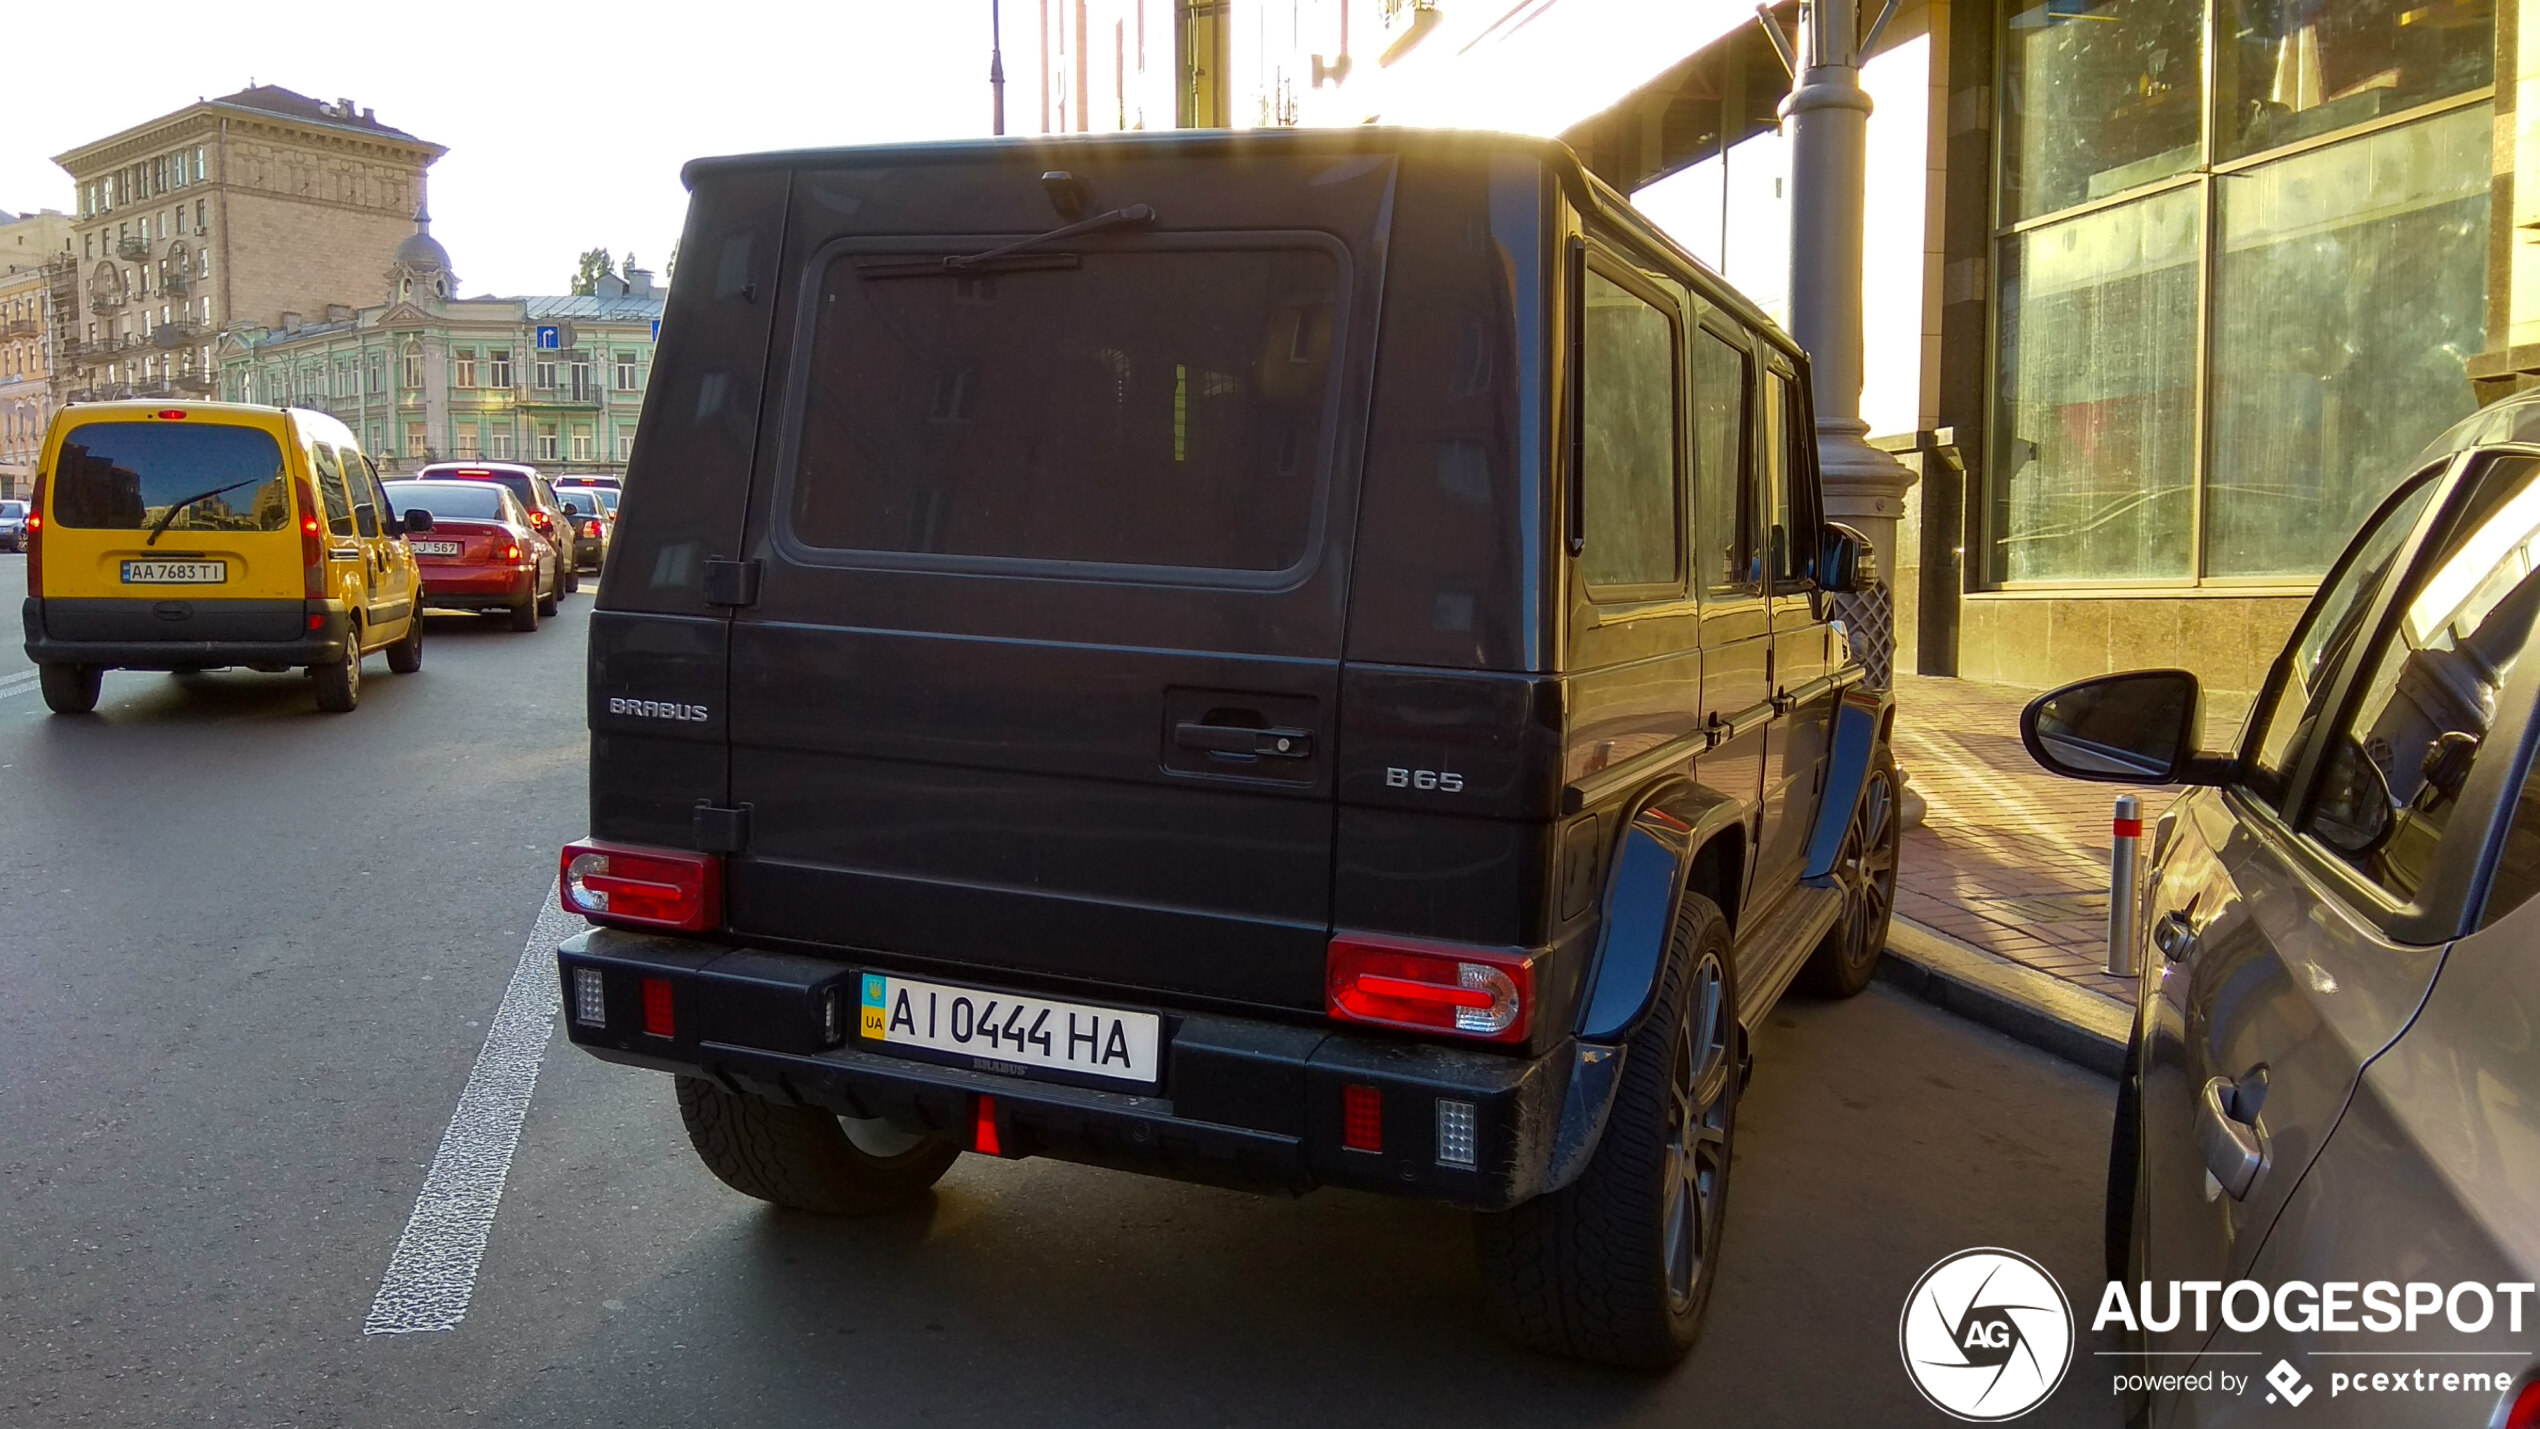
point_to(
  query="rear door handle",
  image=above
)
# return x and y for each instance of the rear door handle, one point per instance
(1244, 740)
(2234, 1147)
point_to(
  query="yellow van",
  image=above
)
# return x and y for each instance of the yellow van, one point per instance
(196, 535)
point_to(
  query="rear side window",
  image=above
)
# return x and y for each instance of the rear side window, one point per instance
(331, 493)
(1720, 522)
(1627, 401)
(1153, 408)
(126, 476)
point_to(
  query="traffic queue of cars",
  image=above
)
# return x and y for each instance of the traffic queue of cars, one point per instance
(204, 535)
(2333, 1088)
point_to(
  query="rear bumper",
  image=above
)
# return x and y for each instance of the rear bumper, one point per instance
(178, 634)
(1244, 1103)
(477, 587)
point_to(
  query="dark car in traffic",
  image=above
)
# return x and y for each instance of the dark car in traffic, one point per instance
(537, 497)
(483, 552)
(1282, 660)
(2333, 1079)
(592, 513)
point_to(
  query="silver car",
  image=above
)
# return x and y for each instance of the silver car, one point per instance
(13, 525)
(2326, 1162)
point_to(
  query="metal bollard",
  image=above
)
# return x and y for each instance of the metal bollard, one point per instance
(2125, 901)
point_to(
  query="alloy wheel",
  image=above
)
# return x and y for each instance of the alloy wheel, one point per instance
(1867, 871)
(1697, 1162)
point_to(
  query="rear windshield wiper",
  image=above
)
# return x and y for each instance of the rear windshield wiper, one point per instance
(1136, 213)
(162, 526)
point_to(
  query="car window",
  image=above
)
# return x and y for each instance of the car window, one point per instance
(365, 503)
(454, 500)
(2327, 631)
(2393, 772)
(1627, 407)
(1723, 539)
(128, 476)
(331, 493)
(1777, 453)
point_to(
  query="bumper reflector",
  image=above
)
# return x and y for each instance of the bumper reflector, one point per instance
(1362, 1117)
(985, 1140)
(1455, 1133)
(657, 1011)
(590, 998)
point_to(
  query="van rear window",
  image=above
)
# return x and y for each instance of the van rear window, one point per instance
(1152, 408)
(125, 476)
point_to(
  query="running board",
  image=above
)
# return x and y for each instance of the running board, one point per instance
(1776, 946)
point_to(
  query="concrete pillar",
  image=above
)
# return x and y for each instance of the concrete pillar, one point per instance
(1828, 115)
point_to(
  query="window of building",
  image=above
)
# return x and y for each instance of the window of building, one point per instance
(545, 377)
(415, 440)
(626, 372)
(498, 365)
(467, 444)
(584, 447)
(414, 369)
(625, 443)
(546, 443)
(582, 390)
(2212, 363)
(498, 444)
(1627, 405)
(464, 360)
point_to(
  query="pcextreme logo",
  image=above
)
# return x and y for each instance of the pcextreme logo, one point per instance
(1986, 1335)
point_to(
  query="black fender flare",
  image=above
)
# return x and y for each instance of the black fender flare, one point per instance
(1651, 865)
(1861, 721)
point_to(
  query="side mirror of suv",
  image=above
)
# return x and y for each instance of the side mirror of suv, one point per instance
(1846, 563)
(413, 522)
(2137, 728)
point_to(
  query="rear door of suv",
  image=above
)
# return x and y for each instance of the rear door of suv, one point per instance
(1040, 669)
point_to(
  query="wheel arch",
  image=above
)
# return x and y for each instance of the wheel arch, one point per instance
(1863, 720)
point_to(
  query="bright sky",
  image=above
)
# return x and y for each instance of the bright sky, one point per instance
(566, 125)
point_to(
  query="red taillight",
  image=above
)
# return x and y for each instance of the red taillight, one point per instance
(643, 887)
(511, 552)
(33, 540)
(2525, 1413)
(1470, 992)
(1362, 1117)
(658, 1020)
(591, 528)
(542, 521)
(312, 543)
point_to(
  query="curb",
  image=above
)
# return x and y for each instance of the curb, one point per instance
(2083, 1027)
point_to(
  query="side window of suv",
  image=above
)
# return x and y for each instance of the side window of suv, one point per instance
(1723, 526)
(331, 493)
(1629, 445)
(2329, 631)
(1777, 453)
(2395, 768)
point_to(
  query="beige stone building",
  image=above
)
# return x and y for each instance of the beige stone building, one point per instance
(253, 209)
(33, 252)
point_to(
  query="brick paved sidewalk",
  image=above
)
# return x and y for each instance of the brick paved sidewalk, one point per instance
(2010, 858)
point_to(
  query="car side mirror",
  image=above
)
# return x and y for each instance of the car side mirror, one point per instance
(1846, 562)
(2137, 728)
(2353, 814)
(414, 522)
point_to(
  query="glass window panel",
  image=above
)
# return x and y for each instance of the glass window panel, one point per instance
(2351, 288)
(2094, 455)
(1719, 465)
(1629, 401)
(2098, 96)
(2294, 68)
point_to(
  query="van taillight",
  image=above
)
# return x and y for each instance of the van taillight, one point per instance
(312, 543)
(1487, 993)
(33, 540)
(641, 887)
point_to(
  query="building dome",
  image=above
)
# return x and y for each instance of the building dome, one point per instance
(422, 266)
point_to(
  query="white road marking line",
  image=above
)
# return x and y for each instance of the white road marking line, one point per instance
(432, 1274)
(19, 684)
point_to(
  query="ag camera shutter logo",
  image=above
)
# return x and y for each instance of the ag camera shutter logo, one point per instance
(1986, 1335)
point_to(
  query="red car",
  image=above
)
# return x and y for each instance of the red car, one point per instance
(482, 553)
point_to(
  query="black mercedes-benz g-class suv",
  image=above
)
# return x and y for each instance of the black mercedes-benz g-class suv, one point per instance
(1283, 660)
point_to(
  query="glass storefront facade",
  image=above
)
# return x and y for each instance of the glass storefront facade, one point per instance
(2237, 289)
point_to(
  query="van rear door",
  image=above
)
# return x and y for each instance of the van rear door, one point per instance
(1041, 670)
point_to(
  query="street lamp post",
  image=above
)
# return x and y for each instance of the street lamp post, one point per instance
(1829, 118)
(996, 66)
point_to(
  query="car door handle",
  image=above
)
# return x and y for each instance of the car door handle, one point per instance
(2174, 936)
(2235, 1149)
(1244, 740)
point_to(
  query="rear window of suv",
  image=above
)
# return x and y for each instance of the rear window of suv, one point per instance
(1150, 408)
(126, 476)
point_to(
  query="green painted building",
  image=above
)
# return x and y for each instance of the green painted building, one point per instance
(431, 376)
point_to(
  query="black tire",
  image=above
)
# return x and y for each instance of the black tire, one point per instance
(1615, 1267)
(339, 686)
(547, 603)
(1848, 959)
(71, 689)
(572, 575)
(525, 614)
(802, 1157)
(406, 656)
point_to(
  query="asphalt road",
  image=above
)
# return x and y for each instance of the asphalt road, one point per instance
(248, 954)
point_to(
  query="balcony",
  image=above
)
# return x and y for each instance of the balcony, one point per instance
(19, 327)
(176, 282)
(105, 304)
(177, 333)
(132, 247)
(196, 382)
